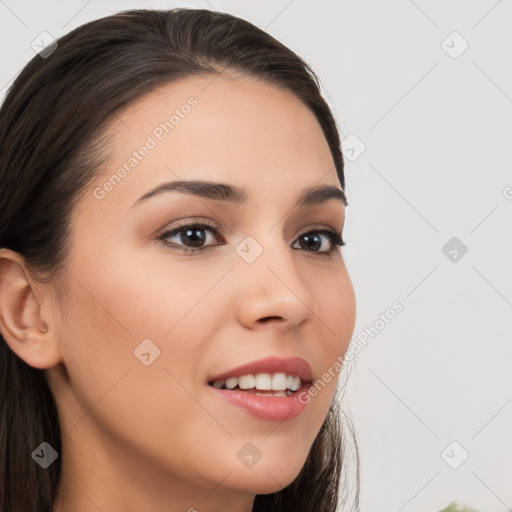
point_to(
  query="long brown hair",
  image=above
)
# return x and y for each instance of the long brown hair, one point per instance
(52, 148)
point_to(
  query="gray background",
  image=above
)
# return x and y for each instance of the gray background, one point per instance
(436, 165)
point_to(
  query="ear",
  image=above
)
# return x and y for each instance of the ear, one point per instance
(27, 334)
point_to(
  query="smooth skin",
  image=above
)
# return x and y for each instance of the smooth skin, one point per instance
(155, 437)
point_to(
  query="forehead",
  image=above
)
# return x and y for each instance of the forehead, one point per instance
(236, 130)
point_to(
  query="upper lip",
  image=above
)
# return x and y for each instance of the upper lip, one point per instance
(290, 365)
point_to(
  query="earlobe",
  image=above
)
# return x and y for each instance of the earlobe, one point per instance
(25, 332)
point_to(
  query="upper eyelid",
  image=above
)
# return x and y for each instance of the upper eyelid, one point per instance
(324, 209)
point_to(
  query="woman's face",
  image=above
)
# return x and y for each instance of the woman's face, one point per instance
(148, 326)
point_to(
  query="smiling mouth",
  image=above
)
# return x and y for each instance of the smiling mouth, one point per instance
(261, 384)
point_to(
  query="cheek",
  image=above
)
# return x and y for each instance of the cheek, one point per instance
(336, 312)
(117, 305)
(335, 327)
(131, 299)
(144, 406)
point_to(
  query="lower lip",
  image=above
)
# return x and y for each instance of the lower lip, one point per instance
(269, 408)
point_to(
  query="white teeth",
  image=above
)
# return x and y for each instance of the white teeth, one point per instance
(246, 382)
(295, 383)
(232, 382)
(279, 382)
(263, 381)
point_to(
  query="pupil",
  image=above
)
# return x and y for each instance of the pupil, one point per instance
(197, 236)
(313, 241)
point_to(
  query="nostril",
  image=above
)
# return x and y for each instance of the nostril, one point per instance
(267, 318)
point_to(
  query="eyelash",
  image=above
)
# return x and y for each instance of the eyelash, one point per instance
(334, 237)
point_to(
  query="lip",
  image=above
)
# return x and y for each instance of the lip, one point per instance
(268, 408)
(273, 364)
(271, 408)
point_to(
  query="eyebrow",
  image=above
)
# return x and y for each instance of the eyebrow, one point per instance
(310, 196)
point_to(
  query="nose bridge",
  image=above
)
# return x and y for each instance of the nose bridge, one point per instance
(270, 285)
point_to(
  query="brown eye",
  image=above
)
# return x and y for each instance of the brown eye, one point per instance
(312, 241)
(190, 237)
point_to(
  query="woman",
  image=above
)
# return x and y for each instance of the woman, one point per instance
(175, 306)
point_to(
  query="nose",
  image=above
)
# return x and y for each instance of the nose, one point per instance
(270, 289)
